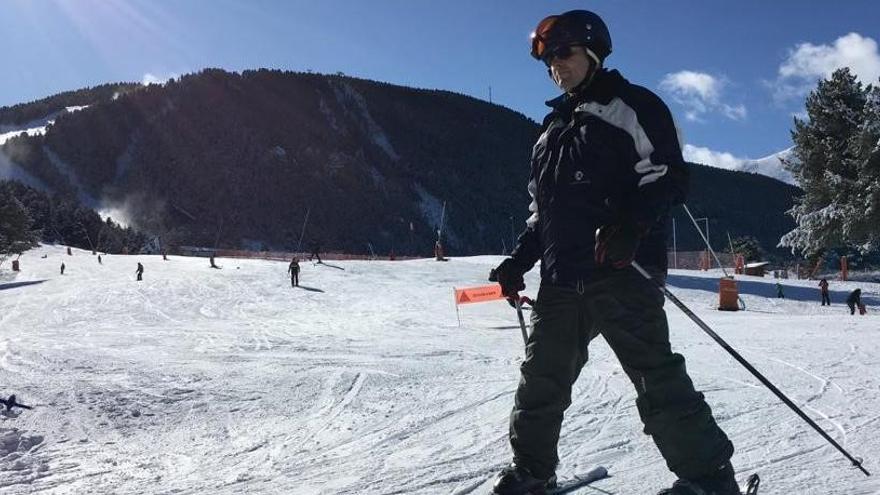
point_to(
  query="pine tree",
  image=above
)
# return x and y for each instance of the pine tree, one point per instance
(827, 164)
(16, 233)
(749, 247)
(864, 231)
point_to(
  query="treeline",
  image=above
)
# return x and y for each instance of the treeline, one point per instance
(23, 113)
(30, 216)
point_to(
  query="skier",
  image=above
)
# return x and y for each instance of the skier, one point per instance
(293, 270)
(62, 268)
(438, 251)
(164, 255)
(608, 162)
(213, 265)
(779, 293)
(140, 272)
(99, 260)
(316, 248)
(854, 300)
(823, 286)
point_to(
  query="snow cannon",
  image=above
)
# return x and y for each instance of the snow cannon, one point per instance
(728, 295)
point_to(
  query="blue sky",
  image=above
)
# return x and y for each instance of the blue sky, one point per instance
(733, 73)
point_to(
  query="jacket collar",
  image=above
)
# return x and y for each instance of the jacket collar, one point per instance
(602, 89)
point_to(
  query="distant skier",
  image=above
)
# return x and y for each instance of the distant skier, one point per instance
(779, 293)
(69, 252)
(12, 402)
(164, 255)
(140, 272)
(826, 298)
(439, 255)
(316, 251)
(213, 265)
(99, 260)
(62, 268)
(854, 300)
(293, 270)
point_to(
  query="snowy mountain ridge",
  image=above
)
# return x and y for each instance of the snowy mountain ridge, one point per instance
(771, 166)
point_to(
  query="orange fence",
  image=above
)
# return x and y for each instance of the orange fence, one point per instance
(276, 255)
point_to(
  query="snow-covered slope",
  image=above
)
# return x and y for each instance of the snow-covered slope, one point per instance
(361, 382)
(771, 166)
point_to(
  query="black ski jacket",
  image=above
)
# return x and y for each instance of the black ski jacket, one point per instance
(603, 158)
(855, 297)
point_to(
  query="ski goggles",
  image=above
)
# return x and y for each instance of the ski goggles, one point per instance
(541, 35)
(556, 37)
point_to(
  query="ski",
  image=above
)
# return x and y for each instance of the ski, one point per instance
(567, 485)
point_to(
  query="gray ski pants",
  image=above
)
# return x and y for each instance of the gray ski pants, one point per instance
(627, 310)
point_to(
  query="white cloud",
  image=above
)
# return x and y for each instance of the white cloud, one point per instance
(153, 79)
(706, 156)
(691, 83)
(700, 93)
(735, 113)
(806, 63)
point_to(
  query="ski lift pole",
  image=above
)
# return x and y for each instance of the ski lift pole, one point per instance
(303, 232)
(705, 239)
(855, 461)
(442, 218)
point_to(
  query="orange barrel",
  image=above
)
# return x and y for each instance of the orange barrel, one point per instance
(728, 296)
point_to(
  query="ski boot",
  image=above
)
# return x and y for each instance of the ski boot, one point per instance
(518, 480)
(721, 482)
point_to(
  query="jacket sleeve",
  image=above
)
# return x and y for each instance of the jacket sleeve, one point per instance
(657, 150)
(528, 245)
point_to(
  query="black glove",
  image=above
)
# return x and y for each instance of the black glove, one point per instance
(616, 244)
(509, 274)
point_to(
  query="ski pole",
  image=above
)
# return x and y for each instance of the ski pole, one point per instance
(522, 320)
(856, 462)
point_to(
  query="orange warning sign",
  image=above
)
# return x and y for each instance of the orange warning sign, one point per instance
(484, 293)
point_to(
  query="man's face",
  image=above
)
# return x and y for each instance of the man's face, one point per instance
(569, 66)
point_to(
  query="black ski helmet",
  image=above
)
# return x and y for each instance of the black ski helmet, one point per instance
(575, 27)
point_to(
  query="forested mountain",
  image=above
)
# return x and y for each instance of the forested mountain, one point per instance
(241, 159)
